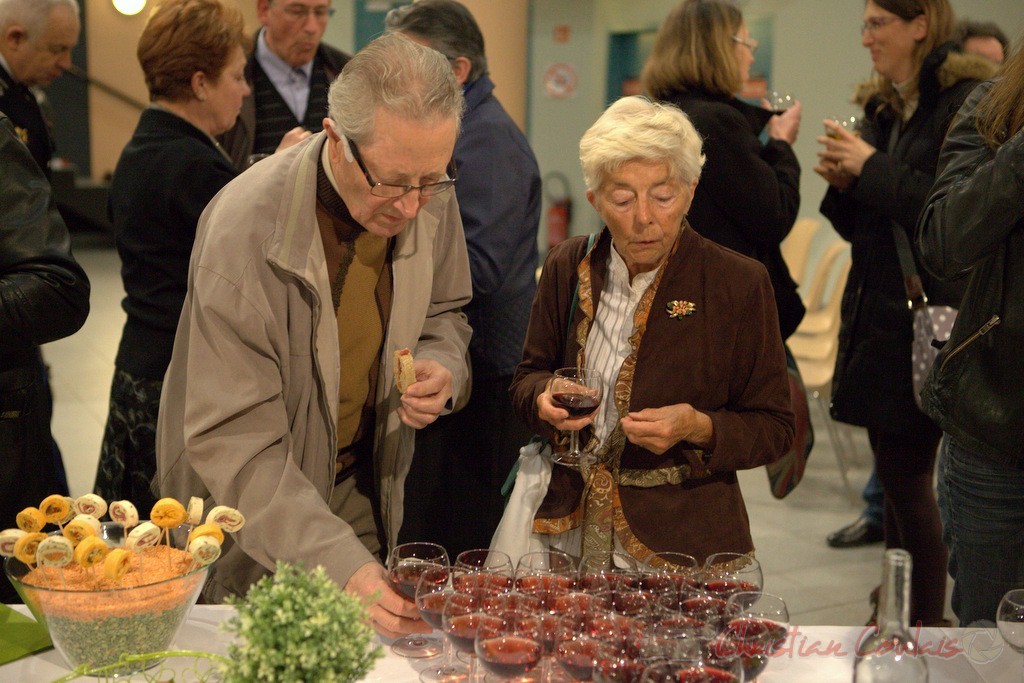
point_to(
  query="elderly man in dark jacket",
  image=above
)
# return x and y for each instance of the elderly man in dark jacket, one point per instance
(44, 296)
(453, 495)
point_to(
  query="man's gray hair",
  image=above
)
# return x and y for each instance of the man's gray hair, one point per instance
(447, 26)
(399, 76)
(637, 129)
(32, 14)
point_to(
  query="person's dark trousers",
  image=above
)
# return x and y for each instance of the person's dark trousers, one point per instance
(30, 465)
(453, 491)
(905, 461)
(982, 508)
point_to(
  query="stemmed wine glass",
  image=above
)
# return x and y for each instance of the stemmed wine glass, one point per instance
(508, 642)
(674, 575)
(758, 626)
(1010, 619)
(460, 619)
(405, 565)
(432, 592)
(728, 573)
(484, 568)
(578, 391)
(546, 574)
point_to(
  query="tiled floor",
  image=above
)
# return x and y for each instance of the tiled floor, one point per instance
(821, 585)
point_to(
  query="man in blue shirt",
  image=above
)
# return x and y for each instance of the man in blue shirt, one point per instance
(453, 492)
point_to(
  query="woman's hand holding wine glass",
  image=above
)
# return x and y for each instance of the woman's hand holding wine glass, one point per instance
(569, 403)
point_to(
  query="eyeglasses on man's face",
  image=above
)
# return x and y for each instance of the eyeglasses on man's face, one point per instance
(393, 190)
(749, 42)
(299, 12)
(875, 23)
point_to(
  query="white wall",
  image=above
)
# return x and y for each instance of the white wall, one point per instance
(817, 56)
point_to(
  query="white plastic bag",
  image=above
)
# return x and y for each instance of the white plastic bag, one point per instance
(514, 534)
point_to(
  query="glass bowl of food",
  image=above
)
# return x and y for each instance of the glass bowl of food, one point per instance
(95, 614)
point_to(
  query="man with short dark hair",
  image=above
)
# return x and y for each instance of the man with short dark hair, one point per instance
(289, 71)
(983, 38)
(36, 39)
(453, 495)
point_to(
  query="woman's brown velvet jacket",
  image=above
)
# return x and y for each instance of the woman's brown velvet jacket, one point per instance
(726, 359)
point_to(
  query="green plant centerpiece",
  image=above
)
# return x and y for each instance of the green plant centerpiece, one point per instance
(296, 625)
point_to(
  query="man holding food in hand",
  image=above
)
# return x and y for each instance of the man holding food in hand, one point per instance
(309, 274)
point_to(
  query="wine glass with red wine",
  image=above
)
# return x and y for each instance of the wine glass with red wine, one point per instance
(578, 391)
(728, 573)
(406, 563)
(508, 643)
(432, 592)
(758, 626)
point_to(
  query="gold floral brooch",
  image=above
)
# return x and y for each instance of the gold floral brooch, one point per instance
(678, 309)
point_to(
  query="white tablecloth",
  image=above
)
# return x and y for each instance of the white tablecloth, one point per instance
(814, 654)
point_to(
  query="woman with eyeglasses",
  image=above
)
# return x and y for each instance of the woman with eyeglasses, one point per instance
(879, 179)
(749, 192)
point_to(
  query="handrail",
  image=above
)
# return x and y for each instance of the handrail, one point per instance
(81, 75)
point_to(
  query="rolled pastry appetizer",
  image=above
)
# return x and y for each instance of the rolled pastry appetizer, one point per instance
(229, 519)
(31, 520)
(167, 513)
(55, 508)
(91, 504)
(55, 551)
(124, 513)
(145, 535)
(8, 537)
(81, 527)
(90, 552)
(26, 546)
(117, 563)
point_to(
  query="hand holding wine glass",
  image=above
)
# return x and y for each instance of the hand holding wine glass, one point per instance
(406, 563)
(578, 392)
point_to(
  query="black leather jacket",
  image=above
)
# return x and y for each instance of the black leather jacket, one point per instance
(44, 293)
(974, 221)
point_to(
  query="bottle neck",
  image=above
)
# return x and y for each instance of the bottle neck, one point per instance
(894, 599)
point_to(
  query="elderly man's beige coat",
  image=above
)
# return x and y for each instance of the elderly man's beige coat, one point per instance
(249, 403)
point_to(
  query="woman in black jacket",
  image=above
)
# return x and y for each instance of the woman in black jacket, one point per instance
(749, 192)
(192, 55)
(879, 179)
(974, 221)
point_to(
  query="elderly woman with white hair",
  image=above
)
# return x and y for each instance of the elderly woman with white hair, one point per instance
(686, 337)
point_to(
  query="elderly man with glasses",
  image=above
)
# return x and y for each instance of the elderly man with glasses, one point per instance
(309, 273)
(289, 71)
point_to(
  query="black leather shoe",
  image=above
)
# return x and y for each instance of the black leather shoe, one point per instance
(861, 532)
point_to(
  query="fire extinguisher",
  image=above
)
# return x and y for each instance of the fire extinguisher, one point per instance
(560, 212)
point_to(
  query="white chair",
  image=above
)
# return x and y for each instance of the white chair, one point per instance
(796, 248)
